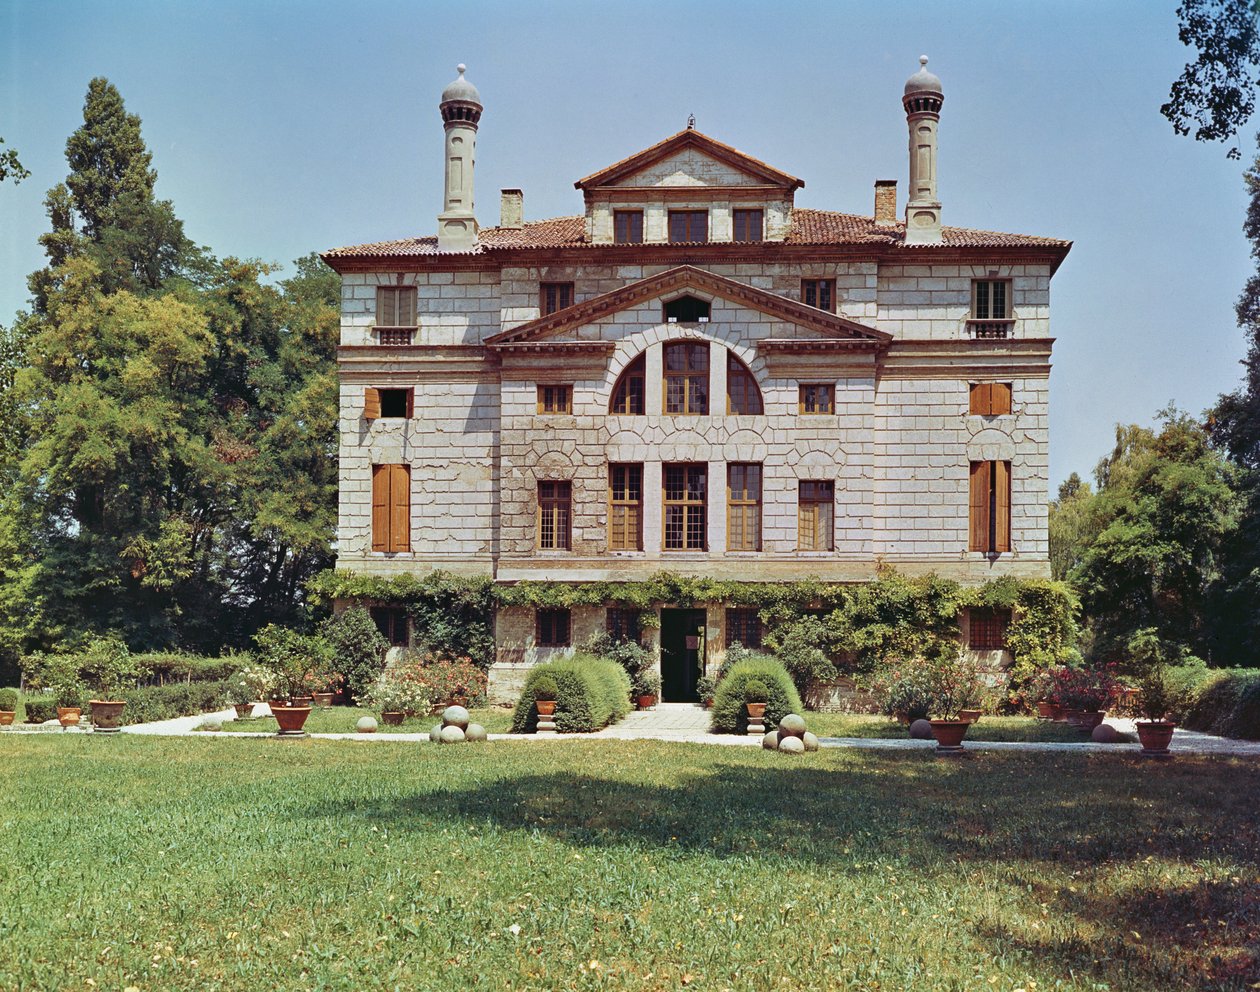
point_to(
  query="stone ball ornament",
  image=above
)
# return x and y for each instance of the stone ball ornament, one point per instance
(476, 733)
(792, 725)
(1105, 733)
(810, 741)
(435, 735)
(771, 741)
(366, 725)
(455, 716)
(452, 735)
(790, 736)
(792, 745)
(921, 730)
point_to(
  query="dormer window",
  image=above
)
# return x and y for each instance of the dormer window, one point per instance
(747, 225)
(628, 227)
(686, 310)
(688, 226)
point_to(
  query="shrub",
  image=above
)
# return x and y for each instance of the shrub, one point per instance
(358, 648)
(161, 667)
(922, 688)
(399, 689)
(8, 700)
(39, 708)
(1086, 689)
(706, 686)
(1229, 705)
(57, 675)
(545, 688)
(165, 702)
(446, 678)
(590, 693)
(301, 663)
(251, 683)
(109, 667)
(755, 691)
(645, 683)
(729, 713)
(1156, 699)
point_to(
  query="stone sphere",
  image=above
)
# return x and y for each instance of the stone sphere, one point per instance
(452, 735)
(792, 725)
(810, 741)
(771, 741)
(1105, 733)
(366, 725)
(455, 716)
(435, 735)
(921, 730)
(792, 745)
(476, 732)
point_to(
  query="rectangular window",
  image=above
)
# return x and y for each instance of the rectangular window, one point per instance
(820, 293)
(815, 514)
(688, 225)
(743, 507)
(747, 225)
(986, 629)
(990, 399)
(380, 404)
(990, 299)
(990, 507)
(553, 296)
(687, 378)
(743, 626)
(628, 227)
(395, 307)
(391, 508)
(552, 629)
(622, 625)
(686, 506)
(555, 399)
(555, 501)
(818, 397)
(625, 507)
(391, 621)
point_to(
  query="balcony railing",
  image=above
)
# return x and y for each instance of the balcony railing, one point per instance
(990, 329)
(394, 335)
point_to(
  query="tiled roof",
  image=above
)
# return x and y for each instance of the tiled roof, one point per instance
(809, 227)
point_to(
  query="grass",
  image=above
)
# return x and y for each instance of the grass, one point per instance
(197, 863)
(987, 728)
(342, 720)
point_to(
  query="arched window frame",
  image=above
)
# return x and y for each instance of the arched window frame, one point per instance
(749, 393)
(626, 400)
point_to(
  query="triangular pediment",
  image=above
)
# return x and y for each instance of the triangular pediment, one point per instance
(688, 278)
(689, 158)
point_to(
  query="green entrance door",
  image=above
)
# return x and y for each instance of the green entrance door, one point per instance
(682, 651)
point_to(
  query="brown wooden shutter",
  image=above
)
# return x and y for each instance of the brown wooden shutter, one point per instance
(400, 508)
(999, 398)
(406, 307)
(380, 507)
(1002, 501)
(411, 402)
(979, 506)
(384, 307)
(371, 403)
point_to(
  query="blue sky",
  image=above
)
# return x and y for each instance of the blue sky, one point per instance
(279, 127)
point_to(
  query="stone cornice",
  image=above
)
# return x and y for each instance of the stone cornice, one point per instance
(416, 363)
(920, 359)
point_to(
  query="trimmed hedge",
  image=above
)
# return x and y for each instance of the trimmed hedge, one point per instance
(165, 702)
(1228, 704)
(730, 716)
(38, 709)
(590, 694)
(177, 666)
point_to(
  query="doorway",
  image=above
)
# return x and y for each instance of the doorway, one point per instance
(682, 654)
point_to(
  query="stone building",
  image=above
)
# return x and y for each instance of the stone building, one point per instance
(694, 375)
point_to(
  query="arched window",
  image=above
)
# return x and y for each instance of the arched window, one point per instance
(628, 394)
(742, 394)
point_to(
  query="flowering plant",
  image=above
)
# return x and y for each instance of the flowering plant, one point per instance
(919, 688)
(1086, 689)
(251, 683)
(398, 690)
(299, 662)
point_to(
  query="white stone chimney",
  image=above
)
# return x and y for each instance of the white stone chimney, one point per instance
(461, 110)
(922, 100)
(512, 209)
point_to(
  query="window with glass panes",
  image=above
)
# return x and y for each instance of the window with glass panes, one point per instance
(743, 626)
(990, 299)
(555, 399)
(625, 507)
(747, 225)
(391, 621)
(818, 397)
(742, 394)
(986, 629)
(628, 394)
(553, 296)
(395, 306)
(820, 293)
(686, 506)
(622, 624)
(688, 225)
(554, 511)
(815, 515)
(628, 227)
(552, 628)
(687, 378)
(743, 507)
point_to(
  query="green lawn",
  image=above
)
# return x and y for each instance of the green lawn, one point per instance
(200, 863)
(342, 720)
(987, 728)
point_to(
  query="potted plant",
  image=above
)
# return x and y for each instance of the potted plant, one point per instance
(1155, 702)
(300, 663)
(394, 695)
(110, 666)
(545, 695)
(706, 686)
(903, 689)
(955, 689)
(647, 687)
(1083, 692)
(248, 686)
(58, 676)
(8, 706)
(756, 695)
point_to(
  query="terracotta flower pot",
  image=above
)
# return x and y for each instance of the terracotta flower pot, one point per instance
(291, 719)
(6, 717)
(949, 735)
(323, 699)
(970, 716)
(1057, 713)
(245, 710)
(1087, 720)
(300, 701)
(69, 716)
(646, 702)
(1045, 711)
(1155, 736)
(107, 715)
(756, 711)
(546, 707)
(392, 718)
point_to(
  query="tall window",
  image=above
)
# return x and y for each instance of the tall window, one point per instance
(747, 225)
(395, 306)
(742, 394)
(686, 492)
(622, 624)
(688, 225)
(743, 626)
(990, 399)
(815, 516)
(687, 378)
(990, 507)
(552, 628)
(625, 507)
(818, 397)
(391, 621)
(554, 510)
(555, 399)
(990, 299)
(553, 296)
(391, 508)
(628, 227)
(628, 394)
(820, 293)
(743, 507)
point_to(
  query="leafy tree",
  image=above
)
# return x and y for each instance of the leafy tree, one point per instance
(10, 167)
(1073, 525)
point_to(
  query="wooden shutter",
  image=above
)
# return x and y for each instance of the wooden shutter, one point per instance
(406, 307)
(411, 402)
(385, 310)
(980, 399)
(380, 507)
(371, 403)
(979, 506)
(999, 398)
(1002, 505)
(400, 508)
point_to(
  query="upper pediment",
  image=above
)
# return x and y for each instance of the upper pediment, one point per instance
(689, 159)
(684, 279)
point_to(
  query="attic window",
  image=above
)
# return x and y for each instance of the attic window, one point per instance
(686, 310)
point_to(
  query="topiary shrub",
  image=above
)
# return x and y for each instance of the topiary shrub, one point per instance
(756, 691)
(590, 694)
(165, 702)
(39, 709)
(544, 687)
(730, 716)
(8, 700)
(1228, 705)
(358, 649)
